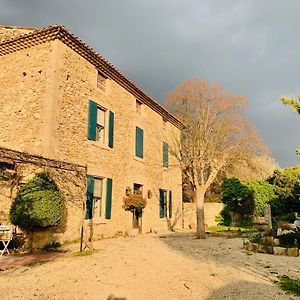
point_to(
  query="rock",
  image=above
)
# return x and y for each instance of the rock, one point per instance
(265, 249)
(287, 231)
(279, 231)
(297, 223)
(276, 242)
(254, 247)
(268, 240)
(292, 252)
(246, 242)
(279, 251)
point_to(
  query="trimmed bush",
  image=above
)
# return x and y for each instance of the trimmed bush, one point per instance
(38, 204)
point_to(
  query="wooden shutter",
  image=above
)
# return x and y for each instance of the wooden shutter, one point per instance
(161, 203)
(139, 142)
(111, 129)
(165, 155)
(92, 120)
(108, 198)
(89, 197)
(170, 204)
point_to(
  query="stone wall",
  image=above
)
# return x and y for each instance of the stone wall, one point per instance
(44, 96)
(71, 180)
(211, 211)
(24, 98)
(76, 85)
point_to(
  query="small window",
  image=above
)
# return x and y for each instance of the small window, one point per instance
(138, 106)
(138, 188)
(100, 134)
(101, 81)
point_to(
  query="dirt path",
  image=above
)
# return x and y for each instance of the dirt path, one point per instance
(151, 267)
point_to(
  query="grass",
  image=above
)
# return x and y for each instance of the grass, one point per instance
(86, 252)
(290, 285)
(222, 228)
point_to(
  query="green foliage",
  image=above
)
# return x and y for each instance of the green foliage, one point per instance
(289, 239)
(287, 190)
(238, 197)
(290, 285)
(264, 193)
(134, 202)
(38, 204)
(225, 217)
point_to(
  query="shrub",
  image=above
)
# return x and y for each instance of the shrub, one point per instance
(238, 197)
(263, 193)
(38, 204)
(134, 202)
(289, 239)
(225, 217)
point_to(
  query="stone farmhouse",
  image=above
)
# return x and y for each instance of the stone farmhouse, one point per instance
(60, 101)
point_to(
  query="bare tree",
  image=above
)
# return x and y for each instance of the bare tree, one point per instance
(217, 134)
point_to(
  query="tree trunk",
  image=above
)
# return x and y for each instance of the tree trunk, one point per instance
(200, 228)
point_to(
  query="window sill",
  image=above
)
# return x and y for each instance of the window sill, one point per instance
(139, 159)
(99, 221)
(100, 145)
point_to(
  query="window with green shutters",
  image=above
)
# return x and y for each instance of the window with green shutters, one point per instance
(165, 155)
(97, 123)
(98, 206)
(165, 203)
(139, 142)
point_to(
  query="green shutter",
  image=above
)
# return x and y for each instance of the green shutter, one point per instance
(161, 203)
(108, 198)
(92, 126)
(170, 204)
(139, 142)
(89, 197)
(111, 129)
(165, 155)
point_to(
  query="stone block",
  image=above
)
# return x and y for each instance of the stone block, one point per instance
(265, 249)
(292, 252)
(279, 250)
(276, 242)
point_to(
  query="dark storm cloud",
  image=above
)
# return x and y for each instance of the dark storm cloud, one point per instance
(251, 47)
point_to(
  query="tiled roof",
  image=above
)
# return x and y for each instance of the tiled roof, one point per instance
(60, 32)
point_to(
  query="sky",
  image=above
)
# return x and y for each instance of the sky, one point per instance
(252, 47)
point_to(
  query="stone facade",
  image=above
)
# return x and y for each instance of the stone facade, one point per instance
(44, 99)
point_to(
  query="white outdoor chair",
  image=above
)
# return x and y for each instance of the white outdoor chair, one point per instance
(6, 235)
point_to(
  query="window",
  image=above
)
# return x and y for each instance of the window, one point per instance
(165, 155)
(100, 134)
(98, 201)
(97, 124)
(138, 188)
(138, 107)
(97, 197)
(101, 81)
(165, 204)
(139, 142)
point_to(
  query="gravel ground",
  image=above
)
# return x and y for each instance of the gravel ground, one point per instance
(171, 266)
